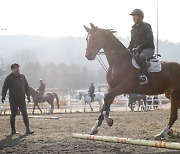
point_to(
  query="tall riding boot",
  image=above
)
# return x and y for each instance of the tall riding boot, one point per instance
(144, 73)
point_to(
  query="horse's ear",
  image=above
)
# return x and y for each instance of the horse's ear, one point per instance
(92, 26)
(87, 29)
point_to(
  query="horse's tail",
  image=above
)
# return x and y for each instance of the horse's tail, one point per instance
(57, 99)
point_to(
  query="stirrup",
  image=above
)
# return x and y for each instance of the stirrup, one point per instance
(143, 79)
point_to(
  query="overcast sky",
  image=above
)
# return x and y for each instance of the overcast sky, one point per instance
(57, 18)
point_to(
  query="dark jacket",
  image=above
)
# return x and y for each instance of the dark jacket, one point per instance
(42, 88)
(142, 36)
(17, 85)
(91, 90)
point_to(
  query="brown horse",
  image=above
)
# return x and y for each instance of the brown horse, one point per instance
(49, 98)
(122, 77)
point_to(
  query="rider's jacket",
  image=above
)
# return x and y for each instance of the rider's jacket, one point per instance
(42, 88)
(91, 90)
(17, 85)
(141, 36)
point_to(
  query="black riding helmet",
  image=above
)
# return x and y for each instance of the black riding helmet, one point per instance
(138, 12)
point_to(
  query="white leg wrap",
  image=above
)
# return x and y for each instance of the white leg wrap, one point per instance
(163, 133)
(95, 127)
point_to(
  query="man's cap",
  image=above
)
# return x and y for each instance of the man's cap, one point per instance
(138, 12)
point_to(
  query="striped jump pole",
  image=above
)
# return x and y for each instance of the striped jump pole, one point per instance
(159, 144)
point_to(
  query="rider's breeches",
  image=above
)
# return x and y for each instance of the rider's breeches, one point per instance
(14, 105)
(145, 54)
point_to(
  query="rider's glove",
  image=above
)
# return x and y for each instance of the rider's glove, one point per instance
(136, 50)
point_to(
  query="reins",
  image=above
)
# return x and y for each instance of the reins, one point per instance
(98, 57)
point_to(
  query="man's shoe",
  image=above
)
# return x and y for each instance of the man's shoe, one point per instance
(29, 132)
(143, 79)
(14, 132)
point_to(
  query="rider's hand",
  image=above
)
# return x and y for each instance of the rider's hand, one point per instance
(3, 99)
(136, 50)
(28, 98)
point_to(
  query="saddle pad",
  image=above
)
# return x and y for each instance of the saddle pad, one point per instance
(155, 65)
(44, 95)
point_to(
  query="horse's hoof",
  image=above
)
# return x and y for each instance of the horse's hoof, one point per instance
(109, 122)
(93, 132)
(158, 137)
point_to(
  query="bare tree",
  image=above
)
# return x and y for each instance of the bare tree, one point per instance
(24, 57)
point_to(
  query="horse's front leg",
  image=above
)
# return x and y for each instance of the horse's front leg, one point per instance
(84, 106)
(108, 101)
(109, 97)
(104, 114)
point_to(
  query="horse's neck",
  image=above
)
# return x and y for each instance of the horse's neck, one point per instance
(117, 57)
(115, 51)
(33, 91)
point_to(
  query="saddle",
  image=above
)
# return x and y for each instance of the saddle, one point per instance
(93, 95)
(154, 64)
(44, 95)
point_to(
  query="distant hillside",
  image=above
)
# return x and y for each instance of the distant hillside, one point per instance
(67, 49)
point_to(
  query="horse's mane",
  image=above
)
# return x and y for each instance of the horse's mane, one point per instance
(111, 33)
(33, 89)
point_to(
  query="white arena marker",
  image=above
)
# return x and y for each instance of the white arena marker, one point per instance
(159, 144)
(43, 117)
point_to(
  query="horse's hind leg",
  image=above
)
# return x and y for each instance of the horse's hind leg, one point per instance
(33, 108)
(39, 108)
(90, 106)
(175, 99)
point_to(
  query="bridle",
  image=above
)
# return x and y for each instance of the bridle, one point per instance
(99, 40)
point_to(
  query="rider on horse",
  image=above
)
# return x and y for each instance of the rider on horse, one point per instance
(142, 43)
(91, 92)
(41, 88)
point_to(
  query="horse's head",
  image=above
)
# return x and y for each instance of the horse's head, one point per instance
(94, 44)
(99, 38)
(82, 94)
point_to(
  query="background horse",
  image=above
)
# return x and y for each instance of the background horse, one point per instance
(122, 76)
(49, 98)
(137, 98)
(87, 99)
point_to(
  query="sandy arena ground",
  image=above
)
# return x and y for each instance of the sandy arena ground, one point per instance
(54, 136)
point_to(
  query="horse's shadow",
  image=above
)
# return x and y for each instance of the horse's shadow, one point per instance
(11, 141)
(174, 135)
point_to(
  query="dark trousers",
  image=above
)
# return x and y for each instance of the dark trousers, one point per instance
(14, 105)
(92, 96)
(143, 57)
